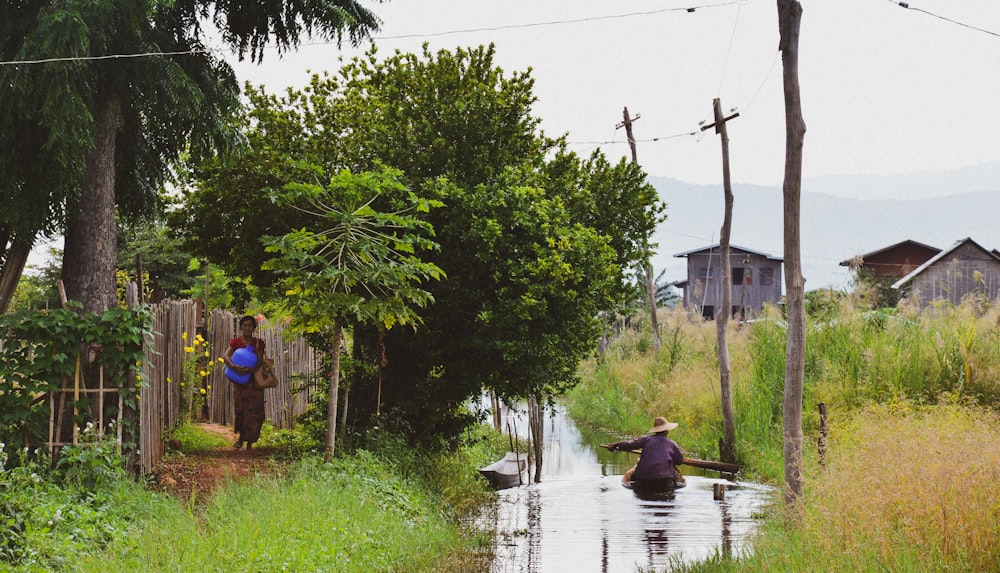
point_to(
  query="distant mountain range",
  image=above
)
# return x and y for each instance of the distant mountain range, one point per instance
(940, 208)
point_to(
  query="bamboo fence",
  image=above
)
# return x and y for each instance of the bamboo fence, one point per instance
(167, 393)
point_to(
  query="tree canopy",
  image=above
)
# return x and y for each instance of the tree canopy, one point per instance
(533, 239)
(86, 132)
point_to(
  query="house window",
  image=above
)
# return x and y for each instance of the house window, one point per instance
(708, 312)
(705, 273)
(766, 276)
(738, 275)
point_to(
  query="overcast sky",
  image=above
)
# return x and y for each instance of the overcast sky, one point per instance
(885, 90)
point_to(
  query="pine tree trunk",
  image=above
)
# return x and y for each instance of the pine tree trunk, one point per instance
(789, 18)
(91, 235)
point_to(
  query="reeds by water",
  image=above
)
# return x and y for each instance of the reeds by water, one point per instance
(909, 479)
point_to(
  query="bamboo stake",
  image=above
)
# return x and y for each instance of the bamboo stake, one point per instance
(76, 399)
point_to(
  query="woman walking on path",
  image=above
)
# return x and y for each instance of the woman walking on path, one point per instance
(245, 355)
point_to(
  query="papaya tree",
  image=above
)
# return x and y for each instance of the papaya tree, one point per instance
(353, 264)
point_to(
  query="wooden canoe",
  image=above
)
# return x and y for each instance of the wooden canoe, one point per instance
(654, 486)
(511, 471)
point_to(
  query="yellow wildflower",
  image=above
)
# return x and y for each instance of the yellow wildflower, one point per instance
(184, 335)
(202, 390)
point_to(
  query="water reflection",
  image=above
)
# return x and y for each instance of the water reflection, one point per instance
(579, 517)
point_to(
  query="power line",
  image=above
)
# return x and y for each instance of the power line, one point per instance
(729, 50)
(647, 140)
(689, 9)
(107, 57)
(762, 83)
(907, 6)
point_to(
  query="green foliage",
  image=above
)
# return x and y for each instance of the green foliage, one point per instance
(354, 262)
(823, 304)
(49, 518)
(93, 463)
(35, 291)
(166, 265)
(379, 514)
(534, 240)
(189, 438)
(40, 350)
(354, 265)
(617, 202)
(876, 292)
(60, 119)
(223, 292)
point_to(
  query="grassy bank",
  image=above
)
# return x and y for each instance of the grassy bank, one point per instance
(912, 458)
(903, 489)
(364, 512)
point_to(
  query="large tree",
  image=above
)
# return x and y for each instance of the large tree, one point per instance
(92, 132)
(533, 239)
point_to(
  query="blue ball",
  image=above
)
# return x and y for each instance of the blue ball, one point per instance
(242, 357)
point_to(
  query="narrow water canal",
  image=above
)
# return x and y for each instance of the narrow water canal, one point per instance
(580, 518)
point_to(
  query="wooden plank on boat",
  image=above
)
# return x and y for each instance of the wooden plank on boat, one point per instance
(723, 467)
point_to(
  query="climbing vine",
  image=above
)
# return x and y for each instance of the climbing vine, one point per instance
(39, 349)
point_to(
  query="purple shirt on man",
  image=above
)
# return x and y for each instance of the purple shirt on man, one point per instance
(660, 455)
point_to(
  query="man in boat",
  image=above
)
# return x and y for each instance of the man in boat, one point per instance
(660, 456)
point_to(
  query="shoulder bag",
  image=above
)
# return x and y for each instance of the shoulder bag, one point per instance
(264, 376)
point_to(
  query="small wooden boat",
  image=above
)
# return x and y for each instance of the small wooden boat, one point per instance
(511, 471)
(654, 486)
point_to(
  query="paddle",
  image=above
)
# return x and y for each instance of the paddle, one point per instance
(703, 464)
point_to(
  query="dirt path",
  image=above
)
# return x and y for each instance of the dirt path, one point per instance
(198, 474)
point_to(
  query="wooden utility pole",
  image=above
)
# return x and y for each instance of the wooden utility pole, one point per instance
(727, 446)
(789, 19)
(650, 285)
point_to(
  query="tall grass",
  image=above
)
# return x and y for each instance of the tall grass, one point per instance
(905, 489)
(854, 357)
(352, 515)
(908, 483)
(626, 389)
(392, 509)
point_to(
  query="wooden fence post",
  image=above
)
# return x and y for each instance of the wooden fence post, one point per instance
(822, 434)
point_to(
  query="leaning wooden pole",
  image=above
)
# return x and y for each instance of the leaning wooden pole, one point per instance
(789, 19)
(648, 267)
(727, 446)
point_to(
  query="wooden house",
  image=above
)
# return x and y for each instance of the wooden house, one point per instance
(755, 280)
(966, 268)
(893, 262)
